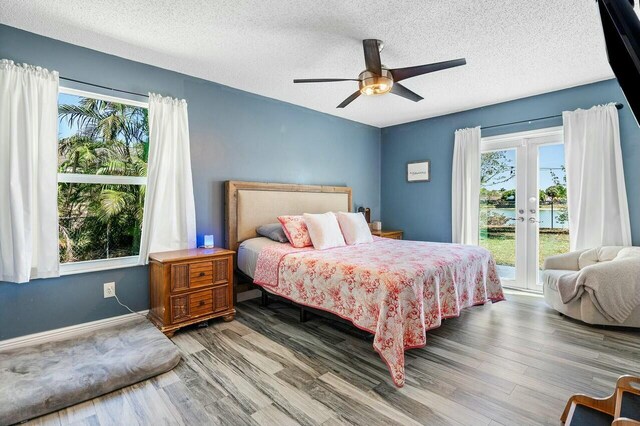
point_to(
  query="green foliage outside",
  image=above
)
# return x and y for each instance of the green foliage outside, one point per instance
(100, 221)
(496, 169)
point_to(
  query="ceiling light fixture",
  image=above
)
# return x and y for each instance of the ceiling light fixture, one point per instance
(372, 84)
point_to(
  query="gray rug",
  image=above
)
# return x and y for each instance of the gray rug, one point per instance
(39, 379)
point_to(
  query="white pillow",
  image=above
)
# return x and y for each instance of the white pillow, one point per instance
(324, 230)
(354, 228)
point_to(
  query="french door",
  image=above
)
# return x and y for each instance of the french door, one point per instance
(523, 215)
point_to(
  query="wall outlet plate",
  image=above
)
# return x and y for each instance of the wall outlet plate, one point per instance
(109, 289)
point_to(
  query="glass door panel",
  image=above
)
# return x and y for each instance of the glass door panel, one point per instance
(498, 209)
(553, 215)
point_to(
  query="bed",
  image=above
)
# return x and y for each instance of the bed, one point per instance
(248, 253)
(397, 290)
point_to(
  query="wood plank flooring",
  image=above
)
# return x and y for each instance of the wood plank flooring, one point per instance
(512, 363)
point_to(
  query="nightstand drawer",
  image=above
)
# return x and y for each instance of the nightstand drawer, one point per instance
(192, 305)
(201, 303)
(189, 276)
(200, 274)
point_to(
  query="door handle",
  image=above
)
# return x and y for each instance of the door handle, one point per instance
(533, 220)
(521, 218)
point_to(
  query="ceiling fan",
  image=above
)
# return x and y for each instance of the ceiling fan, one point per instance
(378, 80)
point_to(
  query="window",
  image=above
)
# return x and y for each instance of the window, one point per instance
(103, 146)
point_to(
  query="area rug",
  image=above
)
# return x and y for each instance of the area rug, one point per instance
(43, 378)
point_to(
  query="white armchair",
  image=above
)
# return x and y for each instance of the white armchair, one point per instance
(596, 263)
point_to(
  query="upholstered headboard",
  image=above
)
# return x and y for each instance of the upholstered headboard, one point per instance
(251, 204)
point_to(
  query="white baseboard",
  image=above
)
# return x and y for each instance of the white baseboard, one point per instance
(65, 332)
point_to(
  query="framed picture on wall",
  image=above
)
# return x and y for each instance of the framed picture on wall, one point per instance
(419, 171)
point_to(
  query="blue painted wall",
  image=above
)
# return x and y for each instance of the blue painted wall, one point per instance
(423, 210)
(234, 135)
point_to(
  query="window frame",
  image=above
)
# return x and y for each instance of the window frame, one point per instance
(95, 265)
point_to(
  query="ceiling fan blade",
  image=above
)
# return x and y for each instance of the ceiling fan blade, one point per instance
(400, 74)
(400, 90)
(372, 56)
(322, 80)
(349, 99)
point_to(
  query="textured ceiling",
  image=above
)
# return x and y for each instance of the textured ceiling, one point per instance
(514, 48)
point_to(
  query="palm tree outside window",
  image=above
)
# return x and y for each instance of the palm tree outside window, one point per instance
(103, 147)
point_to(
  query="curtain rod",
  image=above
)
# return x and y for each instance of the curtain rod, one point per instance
(103, 87)
(618, 106)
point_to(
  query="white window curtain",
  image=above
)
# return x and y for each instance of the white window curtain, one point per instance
(465, 189)
(596, 193)
(28, 172)
(169, 221)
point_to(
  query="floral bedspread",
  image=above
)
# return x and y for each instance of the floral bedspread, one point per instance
(394, 289)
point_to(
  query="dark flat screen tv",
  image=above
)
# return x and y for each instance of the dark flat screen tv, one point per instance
(621, 28)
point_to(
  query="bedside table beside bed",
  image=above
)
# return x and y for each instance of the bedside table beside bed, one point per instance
(190, 286)
(393, 234)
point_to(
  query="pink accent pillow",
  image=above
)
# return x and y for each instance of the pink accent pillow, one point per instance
(296, 230)
(354, 228)
(324, 230)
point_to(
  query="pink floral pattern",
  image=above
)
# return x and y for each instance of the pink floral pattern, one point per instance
(296, 230)
(396, 290)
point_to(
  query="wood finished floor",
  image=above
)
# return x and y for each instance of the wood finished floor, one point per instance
(512, 363)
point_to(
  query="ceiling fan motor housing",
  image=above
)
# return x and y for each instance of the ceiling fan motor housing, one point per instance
(373, 84)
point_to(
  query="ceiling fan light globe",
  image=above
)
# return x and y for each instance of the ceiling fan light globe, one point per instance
(373, 84)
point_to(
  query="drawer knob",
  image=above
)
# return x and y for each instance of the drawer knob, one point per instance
(202, 274)
(202, 303)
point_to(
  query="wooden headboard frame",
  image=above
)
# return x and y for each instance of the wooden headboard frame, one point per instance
(231, 201)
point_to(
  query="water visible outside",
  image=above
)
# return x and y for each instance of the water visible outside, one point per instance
(544, 215)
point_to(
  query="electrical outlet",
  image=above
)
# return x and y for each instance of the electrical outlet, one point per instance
(109, 289)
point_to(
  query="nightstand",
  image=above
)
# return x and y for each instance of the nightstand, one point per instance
(190, 286)
(396, 235)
